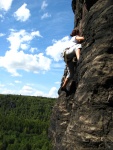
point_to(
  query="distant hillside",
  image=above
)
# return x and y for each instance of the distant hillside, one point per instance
(24, 122)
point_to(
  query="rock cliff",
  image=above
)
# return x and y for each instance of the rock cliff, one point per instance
(83, 118)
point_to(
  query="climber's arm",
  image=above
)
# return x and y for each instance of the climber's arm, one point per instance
(80, 38)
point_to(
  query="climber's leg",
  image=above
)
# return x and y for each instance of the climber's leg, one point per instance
(77, 52)
(65, 83)
(71, 66)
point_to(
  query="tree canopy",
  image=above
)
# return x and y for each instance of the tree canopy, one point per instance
(24, 122)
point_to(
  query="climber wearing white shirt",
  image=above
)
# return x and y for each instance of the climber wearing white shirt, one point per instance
(75, 44)
(71, 52)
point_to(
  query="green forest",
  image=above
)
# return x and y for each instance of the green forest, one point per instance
(24, 122)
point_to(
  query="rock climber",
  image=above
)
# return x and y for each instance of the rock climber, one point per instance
(72, 52)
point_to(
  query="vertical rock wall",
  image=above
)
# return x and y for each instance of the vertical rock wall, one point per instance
(83, 119)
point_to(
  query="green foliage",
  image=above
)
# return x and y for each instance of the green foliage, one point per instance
(24, 122)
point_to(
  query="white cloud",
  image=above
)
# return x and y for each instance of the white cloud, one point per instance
(5, 4)
(56, 49)
(17, 81)
(44, 5)
(1, 16)
(33, 49)
(46, 15)
(7, 91)
(57, 82)
(28, 90)
(15, 59)
(22, 14)
(1, 34)
(24, 46)
(2, 85)
(11, 84)
(21, 39)
(53, 92)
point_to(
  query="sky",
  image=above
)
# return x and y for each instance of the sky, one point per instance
(33, 34)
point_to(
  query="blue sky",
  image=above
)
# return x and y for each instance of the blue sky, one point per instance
(33, 33)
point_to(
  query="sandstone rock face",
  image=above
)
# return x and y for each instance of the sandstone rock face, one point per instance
(83, 119)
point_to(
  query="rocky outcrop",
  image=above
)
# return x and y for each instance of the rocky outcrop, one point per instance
(83, 118)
